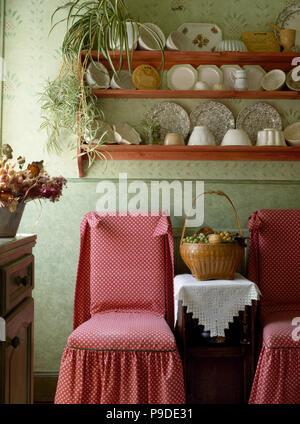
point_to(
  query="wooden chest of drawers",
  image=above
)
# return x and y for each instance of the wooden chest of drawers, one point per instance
(16, 319)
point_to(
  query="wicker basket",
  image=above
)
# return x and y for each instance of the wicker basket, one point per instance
(212, 261)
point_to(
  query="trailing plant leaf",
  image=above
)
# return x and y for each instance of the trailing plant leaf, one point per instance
(61, 101)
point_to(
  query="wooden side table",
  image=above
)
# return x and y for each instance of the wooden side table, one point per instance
(16, 319)
(217, 370)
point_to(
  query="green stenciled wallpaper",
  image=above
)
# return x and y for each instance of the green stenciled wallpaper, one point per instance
(31, 57)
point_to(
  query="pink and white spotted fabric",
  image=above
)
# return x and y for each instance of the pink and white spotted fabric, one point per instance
(274, 265)
(122, 349)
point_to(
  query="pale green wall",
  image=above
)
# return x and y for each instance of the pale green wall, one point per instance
(32, 57)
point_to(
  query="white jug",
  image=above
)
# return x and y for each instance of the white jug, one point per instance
(240, 79)
(201, 136)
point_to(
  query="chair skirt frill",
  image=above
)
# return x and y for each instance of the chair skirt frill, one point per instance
(120, 377)
(277, 379)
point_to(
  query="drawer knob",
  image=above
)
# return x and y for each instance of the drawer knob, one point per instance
(22, 281)
(15, 342)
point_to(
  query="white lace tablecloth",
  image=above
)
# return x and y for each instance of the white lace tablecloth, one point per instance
(214, 303)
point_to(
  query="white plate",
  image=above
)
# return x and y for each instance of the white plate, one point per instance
(227, 75)
(97, 75)
(216, 116)
(182, 77)
(210, 74)
(255, 74)
(258, 117)
(172, 118)
(200, 37)
(123, 81)
(147, 40)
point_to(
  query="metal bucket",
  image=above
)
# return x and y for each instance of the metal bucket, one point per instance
(10, 221)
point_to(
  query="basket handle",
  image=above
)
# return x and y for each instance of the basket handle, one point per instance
(219, 193)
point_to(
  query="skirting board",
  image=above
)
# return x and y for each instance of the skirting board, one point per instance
(45, 386)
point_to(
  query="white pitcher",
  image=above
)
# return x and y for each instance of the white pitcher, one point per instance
(201, 136)
(240, 79)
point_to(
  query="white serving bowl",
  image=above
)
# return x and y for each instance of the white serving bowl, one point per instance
(236, 138)
(133, 34)
(147, 41)
(176, 41)
(292, 85)
(273, 80)
(201, 136)
(97, 75)
(231, 46)
(292, 134)
(201, 85)
(270, 137)
(122, 80)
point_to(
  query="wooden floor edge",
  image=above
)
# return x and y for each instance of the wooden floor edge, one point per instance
(45, 386)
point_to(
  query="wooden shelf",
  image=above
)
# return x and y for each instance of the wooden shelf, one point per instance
(213, 153)
(193, 94)
(268, 61)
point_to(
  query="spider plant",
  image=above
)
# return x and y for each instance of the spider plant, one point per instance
(60, 102)
(68, 102)
(102, 25)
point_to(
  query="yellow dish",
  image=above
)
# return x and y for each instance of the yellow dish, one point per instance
(145, 77)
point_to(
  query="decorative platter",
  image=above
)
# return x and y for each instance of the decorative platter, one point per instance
(255, 74)
(216, 116)
(210, 74)
(172, 119)
(258, 117)
(200, 37)
(146, 77)
(289, 18)
(227, 75)
(182, 77)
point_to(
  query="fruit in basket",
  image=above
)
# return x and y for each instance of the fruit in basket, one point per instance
(214, 238)
(226, 237)
(206, 231)
(196, 238)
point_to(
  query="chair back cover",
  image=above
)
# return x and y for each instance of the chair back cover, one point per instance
(274, 258)
(125, 264)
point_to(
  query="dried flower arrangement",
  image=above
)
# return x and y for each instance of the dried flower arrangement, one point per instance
(25, 184)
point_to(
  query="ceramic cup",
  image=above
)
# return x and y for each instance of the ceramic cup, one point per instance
(240, 79)
(201, 136)
(270, 137)
(236, 138)
(174, 139)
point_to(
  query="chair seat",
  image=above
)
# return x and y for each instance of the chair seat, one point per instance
(278, 331)
(124, 331)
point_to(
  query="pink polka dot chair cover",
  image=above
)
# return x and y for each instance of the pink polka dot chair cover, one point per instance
(122, 349)
(275, 266)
